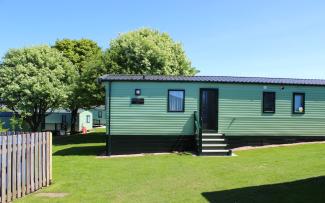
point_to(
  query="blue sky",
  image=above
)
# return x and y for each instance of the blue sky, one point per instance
(240, 38)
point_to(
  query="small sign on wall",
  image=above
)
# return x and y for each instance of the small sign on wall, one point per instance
(137, 101)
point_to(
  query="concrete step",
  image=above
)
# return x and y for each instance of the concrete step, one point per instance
(215, 150)
(225, 153)
(213, 139)
(212, 134)
(214, 145)
(213, 142)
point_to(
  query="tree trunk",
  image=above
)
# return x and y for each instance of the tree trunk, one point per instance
(34, 127)
(74, 114)
(33, 123)
(37, 117)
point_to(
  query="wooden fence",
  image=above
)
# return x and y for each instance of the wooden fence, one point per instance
(25, 163)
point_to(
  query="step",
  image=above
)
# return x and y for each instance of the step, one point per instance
(212, 134)
(216, 150)
(213, 139)
(214, 145)
(216, 153)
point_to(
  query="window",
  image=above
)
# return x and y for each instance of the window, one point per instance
(64, 118)
(298, 104)
(100, 114)
(176, 100)
(88, 119)
(268, 102)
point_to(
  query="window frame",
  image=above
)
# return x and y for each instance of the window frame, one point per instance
(264, 93)
(183, 105)
(303, 102)
(87, 118)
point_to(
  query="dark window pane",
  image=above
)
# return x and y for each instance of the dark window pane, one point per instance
(176, 100)
(268, 102)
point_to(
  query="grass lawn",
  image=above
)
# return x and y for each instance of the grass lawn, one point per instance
(99, 130)
(281, 174)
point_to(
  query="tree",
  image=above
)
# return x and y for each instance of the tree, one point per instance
(16, 123)
(147, 51)
(86, 55)
(34, 81)
(1, 126)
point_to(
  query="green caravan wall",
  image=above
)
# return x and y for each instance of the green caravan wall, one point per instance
(151, 118)
(96, 115)
(5, 122)
(240, 110)
(56, 118)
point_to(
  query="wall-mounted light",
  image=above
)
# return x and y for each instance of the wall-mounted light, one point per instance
(137, 92)
(282, 87)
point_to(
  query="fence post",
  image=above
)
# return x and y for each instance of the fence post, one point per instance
(14, 166)
(3, 167)
(23, 163)
(32, 152)
(36, 161)
(9, 166)
(43, 159)
(40, 177)
(51, 157)
(47, 158)
(28, 163)
(19, 160)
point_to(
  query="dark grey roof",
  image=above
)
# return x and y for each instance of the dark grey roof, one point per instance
(214, 79)
(6, 114)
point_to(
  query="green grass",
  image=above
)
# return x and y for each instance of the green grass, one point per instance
(99, 130)
(282, 174)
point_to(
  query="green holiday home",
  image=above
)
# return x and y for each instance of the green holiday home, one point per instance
(210, 114)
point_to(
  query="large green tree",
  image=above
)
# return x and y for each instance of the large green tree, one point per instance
(86, 55)
(147, 51)
(34, 81)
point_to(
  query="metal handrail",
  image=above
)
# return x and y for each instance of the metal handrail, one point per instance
(198, 131)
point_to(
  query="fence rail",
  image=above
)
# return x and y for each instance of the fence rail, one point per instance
(25, 163)
(198, 132)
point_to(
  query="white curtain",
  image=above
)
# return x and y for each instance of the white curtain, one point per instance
(176, 100)
(298, 103)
